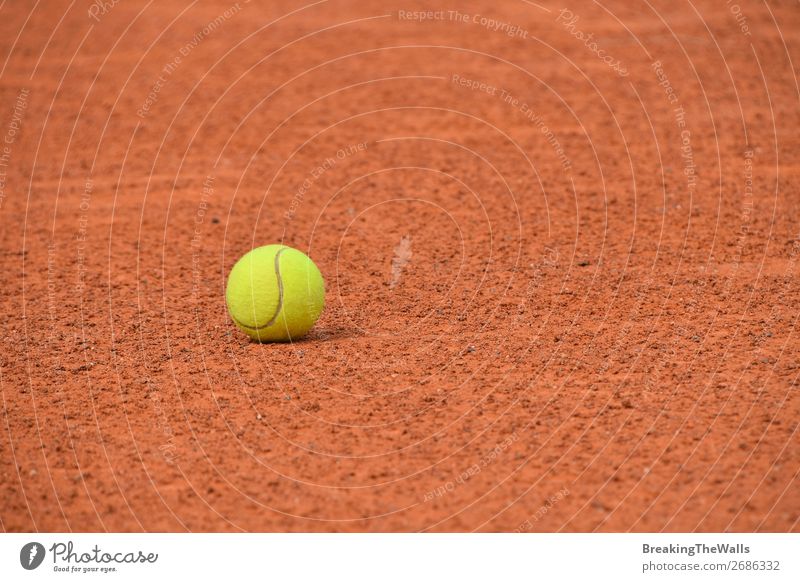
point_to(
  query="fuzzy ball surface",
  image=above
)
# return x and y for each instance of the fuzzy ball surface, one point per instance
(275, 293)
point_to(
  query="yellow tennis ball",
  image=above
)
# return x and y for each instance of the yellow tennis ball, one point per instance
(275, 293)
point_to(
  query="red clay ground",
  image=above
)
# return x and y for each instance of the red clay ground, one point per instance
(564, 300)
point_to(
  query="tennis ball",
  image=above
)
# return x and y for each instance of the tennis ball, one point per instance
(275, 293)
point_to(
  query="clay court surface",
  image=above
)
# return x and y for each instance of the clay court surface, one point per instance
(561, 256)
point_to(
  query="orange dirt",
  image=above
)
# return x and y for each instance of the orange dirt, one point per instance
(561, 251)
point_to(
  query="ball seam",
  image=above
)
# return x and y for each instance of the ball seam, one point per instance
(280, 299)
